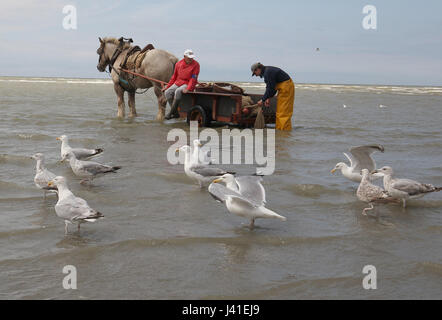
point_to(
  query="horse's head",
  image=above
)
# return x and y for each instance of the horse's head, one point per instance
(103, 60)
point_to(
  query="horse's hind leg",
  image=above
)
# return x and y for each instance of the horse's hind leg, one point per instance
(131, 102)
(161, 103)
(120, 99)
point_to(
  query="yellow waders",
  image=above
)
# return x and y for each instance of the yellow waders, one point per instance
(284, 106)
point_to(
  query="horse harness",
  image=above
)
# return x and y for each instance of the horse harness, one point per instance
(125, 83)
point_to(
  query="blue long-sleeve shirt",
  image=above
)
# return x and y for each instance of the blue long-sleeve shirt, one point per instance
(272, 76)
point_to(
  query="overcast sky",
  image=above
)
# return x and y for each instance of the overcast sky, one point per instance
(228, 36)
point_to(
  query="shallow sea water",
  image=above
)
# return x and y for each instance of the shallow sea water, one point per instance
(164, 238)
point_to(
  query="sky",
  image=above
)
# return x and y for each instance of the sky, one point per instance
(228, 36)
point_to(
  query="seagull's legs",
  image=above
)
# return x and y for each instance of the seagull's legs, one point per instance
(78, 227)
(366, 209)
(65, 227)
(404, 202)
(252, 223)
(44, 194)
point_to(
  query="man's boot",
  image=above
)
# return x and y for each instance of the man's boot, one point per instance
(173, 113)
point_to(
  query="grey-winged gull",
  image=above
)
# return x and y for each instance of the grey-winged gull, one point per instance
(71, 208)
(247, 204)
(89, 169)
(361, 159)
(370, 193)
(43, 175)
(80, 153)
(200, 173)
(404, 188)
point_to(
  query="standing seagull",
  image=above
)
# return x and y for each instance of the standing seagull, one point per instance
(361, 159)
(88, 169)
(80, 153)
(371, 193)
(43, 175)
(247, 204)
(71, 208)
(404, 188)
(200, 173)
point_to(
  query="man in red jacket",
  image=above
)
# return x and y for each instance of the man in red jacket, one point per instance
(184, 79)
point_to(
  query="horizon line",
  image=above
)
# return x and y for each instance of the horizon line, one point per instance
(261, 82)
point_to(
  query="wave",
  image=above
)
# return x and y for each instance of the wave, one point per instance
(57, 80)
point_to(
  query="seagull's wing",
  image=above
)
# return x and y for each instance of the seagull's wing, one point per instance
(349, 159)
(220, 192)
(81, 153)
(76, 209)
(409, 186)
(362, 156)
(94, 168)
(207, 171)
(242, 203)
(251, 188)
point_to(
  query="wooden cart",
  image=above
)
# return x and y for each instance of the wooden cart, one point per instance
(208, 107)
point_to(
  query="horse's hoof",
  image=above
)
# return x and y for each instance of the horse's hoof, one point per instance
(133, 115)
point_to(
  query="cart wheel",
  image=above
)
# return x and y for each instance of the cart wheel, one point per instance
(198, 113)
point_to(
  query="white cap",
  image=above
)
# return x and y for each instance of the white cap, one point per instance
(189, 53)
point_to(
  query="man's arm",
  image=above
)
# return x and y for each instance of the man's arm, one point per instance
(270, 89)
(194, 78)
(270, 80)
(173, 79)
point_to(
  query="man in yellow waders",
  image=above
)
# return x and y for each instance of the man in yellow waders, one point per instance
(277, 80)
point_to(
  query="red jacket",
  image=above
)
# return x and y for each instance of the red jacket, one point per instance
(185, 74)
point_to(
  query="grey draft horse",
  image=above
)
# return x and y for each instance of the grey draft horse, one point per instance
(157, 64)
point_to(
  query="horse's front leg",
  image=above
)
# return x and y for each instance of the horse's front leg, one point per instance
(161, 103)
(120, 100)
(131, 101)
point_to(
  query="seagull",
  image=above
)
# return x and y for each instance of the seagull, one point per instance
(88, 169)
(382, 106)
(43, 175)
(198, 156)
(71, 208)
(404, 188)
(80, 153)
(361, 159)
(248, 186)
(201, 173)
(248, 204)
(370, 193)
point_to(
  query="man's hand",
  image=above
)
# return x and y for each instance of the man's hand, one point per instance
(267, 103)
(259, 103)
(164, 89)
(185, 90)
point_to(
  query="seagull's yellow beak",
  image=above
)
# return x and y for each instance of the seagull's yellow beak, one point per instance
(177, 149)
(200, 144)
(217, 180)
(50, 184)
(333, 170)
(58, 138)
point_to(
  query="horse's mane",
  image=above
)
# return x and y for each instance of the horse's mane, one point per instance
(116, 42)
